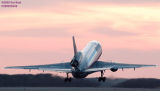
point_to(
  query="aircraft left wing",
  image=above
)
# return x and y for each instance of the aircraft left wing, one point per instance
(59, 67)
(100, 65)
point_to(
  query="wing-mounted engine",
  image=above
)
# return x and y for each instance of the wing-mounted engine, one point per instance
(114, 69)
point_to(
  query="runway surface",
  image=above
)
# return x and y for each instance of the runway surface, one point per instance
(72, 89)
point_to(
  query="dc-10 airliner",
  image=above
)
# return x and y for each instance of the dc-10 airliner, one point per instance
(84, 62)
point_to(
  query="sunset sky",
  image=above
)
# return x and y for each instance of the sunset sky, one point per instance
(40, 31)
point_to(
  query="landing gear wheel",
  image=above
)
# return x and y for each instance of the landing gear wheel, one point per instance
(99, 79)
(68, 79)
(102, 78)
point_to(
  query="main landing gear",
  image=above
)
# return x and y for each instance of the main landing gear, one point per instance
(102, 78)
(68, 79)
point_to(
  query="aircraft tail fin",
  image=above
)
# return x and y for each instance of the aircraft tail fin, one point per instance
(74, 46)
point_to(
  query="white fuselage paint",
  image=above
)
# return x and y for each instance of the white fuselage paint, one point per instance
(90, 54)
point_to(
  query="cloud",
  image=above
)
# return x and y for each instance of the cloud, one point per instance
(56, 3)
(133, 56)
(43, 32)
(112, 32)
(121, 1)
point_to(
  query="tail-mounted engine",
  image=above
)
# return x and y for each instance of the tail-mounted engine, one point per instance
(76, 60)
(77, 56)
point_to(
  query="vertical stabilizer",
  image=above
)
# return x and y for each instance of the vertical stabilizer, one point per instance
(74, 46)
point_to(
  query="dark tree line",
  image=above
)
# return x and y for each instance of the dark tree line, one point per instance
(41, 80)
(49, 80)
(140, 83)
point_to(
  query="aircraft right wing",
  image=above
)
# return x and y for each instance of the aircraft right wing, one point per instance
(59, 67)
(100, 65)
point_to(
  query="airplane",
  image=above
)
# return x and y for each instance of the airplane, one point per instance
(83, 63)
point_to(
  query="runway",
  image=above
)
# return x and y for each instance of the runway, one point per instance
(72, 89)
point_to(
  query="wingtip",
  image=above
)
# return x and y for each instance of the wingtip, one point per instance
(156, 65)
(8, 67)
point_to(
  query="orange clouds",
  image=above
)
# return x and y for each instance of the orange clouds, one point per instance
(82, 19)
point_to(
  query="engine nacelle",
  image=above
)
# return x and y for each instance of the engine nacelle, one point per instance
(76, 60)
(74, 63)
(114, 69)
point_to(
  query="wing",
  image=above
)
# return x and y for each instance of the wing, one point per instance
(99, 66)
(60, 67)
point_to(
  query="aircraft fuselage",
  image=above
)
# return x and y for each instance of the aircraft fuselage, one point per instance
(86, 58)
